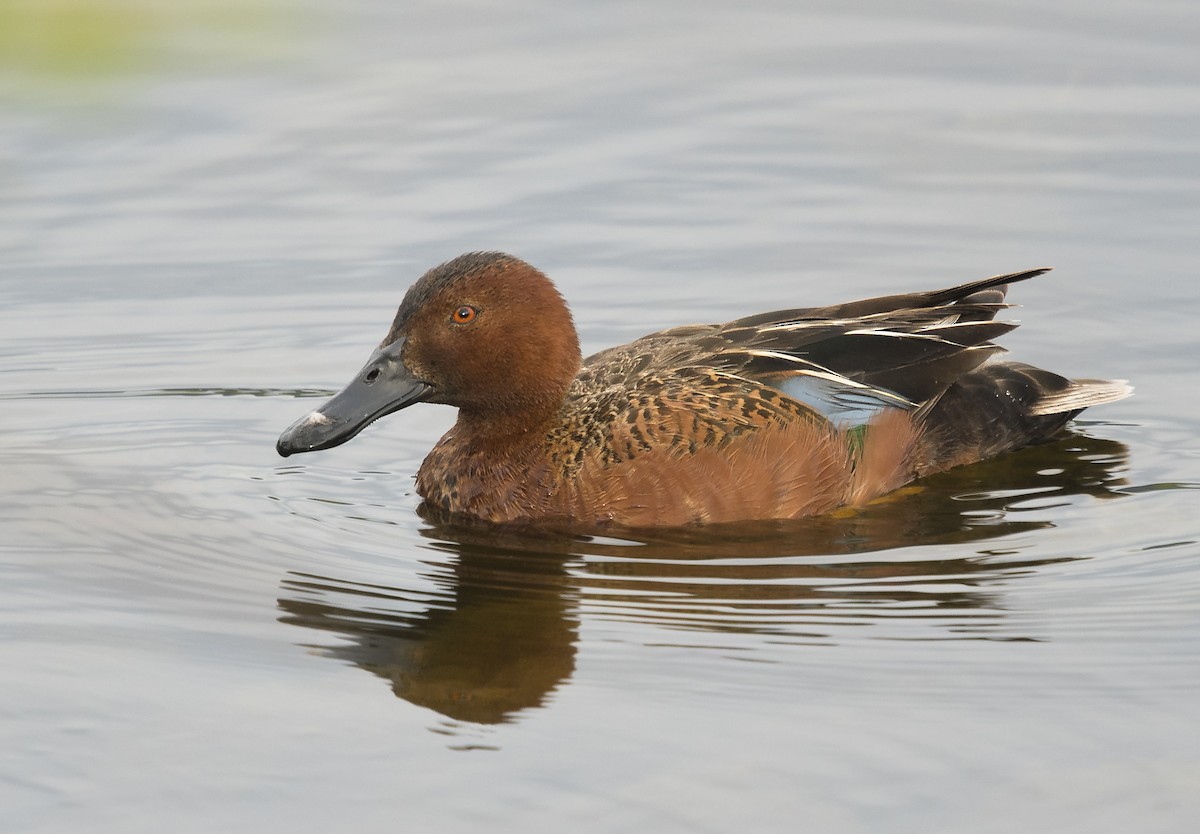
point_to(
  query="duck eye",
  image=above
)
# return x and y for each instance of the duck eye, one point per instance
(464, 314)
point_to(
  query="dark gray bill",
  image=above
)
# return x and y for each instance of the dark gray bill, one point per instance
(383, 385)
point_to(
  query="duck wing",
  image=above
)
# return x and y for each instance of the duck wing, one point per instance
(850, 361)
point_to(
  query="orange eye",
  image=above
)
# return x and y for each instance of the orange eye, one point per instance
(464, 314)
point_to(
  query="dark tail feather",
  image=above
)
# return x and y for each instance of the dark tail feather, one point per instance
(1002, 406)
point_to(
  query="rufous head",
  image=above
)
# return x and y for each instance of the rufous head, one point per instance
(485, 332)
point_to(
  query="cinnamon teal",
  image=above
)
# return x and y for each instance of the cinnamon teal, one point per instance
(777, 415)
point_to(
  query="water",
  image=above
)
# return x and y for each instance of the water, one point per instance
(197, 634)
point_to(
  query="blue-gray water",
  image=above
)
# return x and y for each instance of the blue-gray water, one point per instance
(197, 635)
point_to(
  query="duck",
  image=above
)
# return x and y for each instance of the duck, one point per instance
(778, 415)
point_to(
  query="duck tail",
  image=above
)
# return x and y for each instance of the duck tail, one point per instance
(1079, 394)
(1003, 406)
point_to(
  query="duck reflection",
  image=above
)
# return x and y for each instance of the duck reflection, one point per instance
(495, 642)
(500, 629)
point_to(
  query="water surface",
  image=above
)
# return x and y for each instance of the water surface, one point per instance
(200, 635)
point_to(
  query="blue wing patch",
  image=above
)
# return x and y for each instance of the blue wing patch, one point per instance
(841, 401)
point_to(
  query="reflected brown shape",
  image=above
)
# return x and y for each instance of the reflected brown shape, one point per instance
(499, 634)
(495, 644)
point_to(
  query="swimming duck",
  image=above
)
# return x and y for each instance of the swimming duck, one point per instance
(773, 416)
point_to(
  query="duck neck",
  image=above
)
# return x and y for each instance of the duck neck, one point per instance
(498, 432)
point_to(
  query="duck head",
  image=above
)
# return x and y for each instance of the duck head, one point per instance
(485, 332)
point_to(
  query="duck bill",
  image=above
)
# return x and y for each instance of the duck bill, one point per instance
(383, 385)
